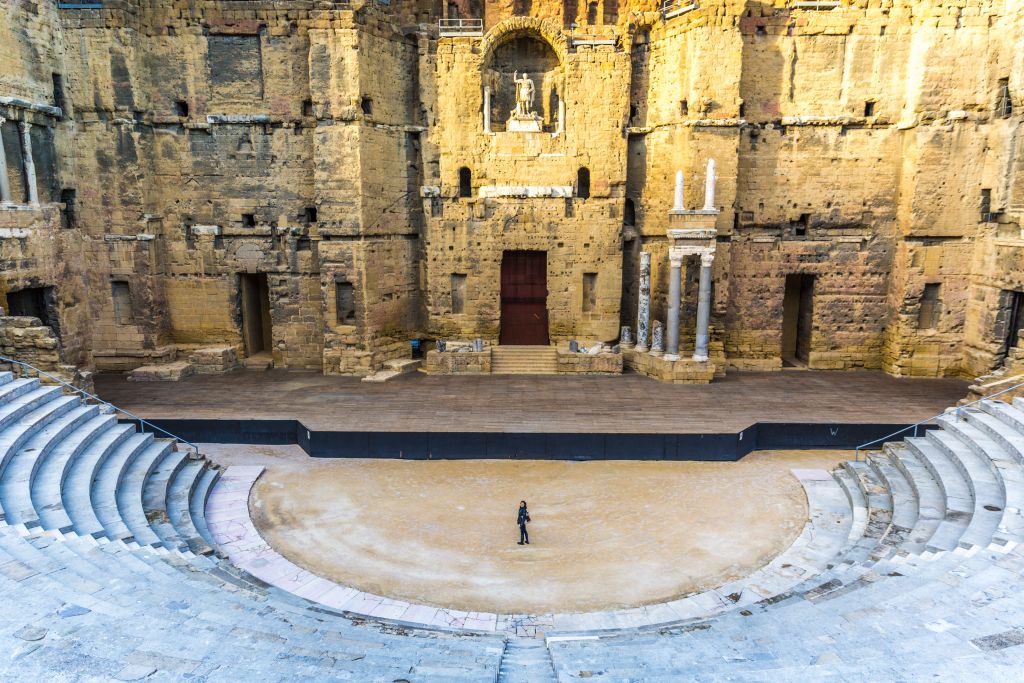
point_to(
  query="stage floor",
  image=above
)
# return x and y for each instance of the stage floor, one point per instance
(628, 403)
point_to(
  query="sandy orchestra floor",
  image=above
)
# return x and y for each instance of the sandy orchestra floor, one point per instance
(605, 534)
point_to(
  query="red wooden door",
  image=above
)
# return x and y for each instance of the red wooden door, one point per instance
(524, 297)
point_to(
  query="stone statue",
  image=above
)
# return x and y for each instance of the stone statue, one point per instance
(524, 96)
(523, 119)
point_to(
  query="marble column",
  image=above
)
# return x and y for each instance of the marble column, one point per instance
(675, 259)
(700, 353)
(5, 183)
(709, 187)
(30, 165)
(561, 117)
(487, 109)
(678, 201)
(644, 304)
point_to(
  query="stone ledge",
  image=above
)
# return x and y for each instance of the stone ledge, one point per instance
(605, 363)
(682, 371)
(457, 362)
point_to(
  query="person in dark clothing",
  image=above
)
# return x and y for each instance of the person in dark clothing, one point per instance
(521, 520)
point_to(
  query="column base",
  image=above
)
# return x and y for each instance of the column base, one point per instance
(657, 354)
(641, 348)
(700, 359)
(627, 345)
(673, 357)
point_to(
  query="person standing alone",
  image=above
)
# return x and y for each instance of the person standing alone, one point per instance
(524, 517)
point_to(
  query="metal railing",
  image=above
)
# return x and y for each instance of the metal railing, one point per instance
(460, 27)
(956, 411)
(815, 4)
(78, 390)
(673, 8)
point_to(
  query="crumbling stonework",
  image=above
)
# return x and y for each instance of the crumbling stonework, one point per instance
(318, 182)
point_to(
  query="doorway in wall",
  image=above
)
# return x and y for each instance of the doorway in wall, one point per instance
(797, 320)
(1011, 310)
(255, 300)
(35, 302)
(524, 298)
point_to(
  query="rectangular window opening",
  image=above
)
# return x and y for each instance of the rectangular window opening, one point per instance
(307, 107)
(67, 214)
(311, 214)
(986, 205)
(869, 108)
(344, 302)
(248, 220)
(589, 292)
(1004, 103)
(458, 293)
(122, 302)
(931, 307)
(181, 108)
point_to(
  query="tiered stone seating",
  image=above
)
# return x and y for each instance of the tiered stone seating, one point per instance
(910, 567)
(931, 587)
(107, 570)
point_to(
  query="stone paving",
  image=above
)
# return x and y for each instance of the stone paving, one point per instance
(910, 568)
(626, 403)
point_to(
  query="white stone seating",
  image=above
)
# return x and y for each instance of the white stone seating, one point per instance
(911, 564)
(17, 471)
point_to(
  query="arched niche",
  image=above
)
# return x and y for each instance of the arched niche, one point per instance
(523, 49)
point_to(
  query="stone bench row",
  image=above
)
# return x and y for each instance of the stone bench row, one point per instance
(106, 527)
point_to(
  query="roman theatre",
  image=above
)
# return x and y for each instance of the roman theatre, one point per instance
(299, 299)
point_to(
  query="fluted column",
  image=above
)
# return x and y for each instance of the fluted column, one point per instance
(709, 187)
(675, 258)
(644, 303)
(700, 352)
(30, 165)
(5, 183)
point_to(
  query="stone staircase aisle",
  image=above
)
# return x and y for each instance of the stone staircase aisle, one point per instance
(526, 660)
(524, 360)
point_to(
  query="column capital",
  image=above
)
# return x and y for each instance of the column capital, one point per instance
(676, 256)
(707, 258)
(24, 125)
(2, 120)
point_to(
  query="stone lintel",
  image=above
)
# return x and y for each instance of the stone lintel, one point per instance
(39, 107)
(529, 191)
(692, 220)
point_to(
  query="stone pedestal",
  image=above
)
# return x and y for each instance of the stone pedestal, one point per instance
(682, 371)
(524, 124)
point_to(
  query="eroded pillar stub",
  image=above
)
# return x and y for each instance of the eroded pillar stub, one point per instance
(700, 354)
(644, 303)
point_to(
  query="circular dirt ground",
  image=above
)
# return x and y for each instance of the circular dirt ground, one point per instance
(604, 534)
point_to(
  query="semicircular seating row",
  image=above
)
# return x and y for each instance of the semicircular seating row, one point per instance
(910, 564)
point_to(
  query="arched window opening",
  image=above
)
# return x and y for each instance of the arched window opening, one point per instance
(465, 182)
(610, 11)
(521, 8)
(583, 183)
(629, 213)
(591, 13)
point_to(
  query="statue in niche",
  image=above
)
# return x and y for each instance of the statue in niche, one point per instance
(524, 95)
(522, 118)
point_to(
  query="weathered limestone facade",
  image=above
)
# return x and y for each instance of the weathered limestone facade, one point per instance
(319, 182)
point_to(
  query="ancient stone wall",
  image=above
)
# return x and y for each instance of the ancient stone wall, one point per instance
(182, 146)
